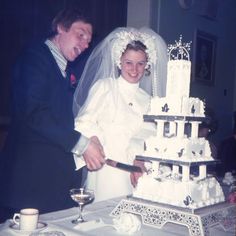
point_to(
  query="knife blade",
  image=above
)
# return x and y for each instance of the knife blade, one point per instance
(123, 166)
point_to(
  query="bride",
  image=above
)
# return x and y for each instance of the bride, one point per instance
(121, 74)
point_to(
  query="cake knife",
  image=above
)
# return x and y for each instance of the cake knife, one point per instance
(123, 166)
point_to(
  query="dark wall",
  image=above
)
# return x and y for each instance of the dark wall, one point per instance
(24, 20)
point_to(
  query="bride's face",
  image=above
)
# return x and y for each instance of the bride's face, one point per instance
(133, 65)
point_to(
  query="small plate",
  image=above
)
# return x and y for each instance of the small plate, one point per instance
(40, 226)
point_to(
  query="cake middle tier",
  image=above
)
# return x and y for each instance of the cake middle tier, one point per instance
(179, 149)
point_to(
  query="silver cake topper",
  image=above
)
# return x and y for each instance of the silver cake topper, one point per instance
(179, 50)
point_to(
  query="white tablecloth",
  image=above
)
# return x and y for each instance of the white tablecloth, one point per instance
(61, 221)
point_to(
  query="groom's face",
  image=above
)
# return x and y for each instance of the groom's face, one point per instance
(73, 41)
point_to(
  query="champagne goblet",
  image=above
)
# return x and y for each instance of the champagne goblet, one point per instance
(82, 196)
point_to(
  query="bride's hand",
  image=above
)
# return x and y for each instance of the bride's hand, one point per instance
(134, 176)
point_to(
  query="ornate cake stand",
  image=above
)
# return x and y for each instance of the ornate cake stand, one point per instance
(198, 221)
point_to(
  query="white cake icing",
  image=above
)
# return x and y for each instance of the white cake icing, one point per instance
(178, 186)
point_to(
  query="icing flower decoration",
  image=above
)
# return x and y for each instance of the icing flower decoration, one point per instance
(127, 223)
(124, 38)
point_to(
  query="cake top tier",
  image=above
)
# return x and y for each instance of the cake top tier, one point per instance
(178, 70)
(179, 50)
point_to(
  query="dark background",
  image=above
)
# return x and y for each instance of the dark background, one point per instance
(23, 21)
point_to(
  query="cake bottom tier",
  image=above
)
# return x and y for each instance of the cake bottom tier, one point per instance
(192, 194)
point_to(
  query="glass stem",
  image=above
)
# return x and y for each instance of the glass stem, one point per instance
(80, 211)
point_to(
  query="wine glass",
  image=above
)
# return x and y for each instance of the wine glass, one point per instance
(82, 196)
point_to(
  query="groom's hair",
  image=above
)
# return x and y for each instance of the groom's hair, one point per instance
(66, 18)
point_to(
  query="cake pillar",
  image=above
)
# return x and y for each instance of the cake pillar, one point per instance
(160, 128)
(194, 129)
(186, 173)
(180, 128)
(155, 168)
(172, 128)
(175, 170)
(202, 171)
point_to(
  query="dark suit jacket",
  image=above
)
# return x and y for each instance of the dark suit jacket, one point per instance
(37, 165)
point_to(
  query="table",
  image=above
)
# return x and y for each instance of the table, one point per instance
(61, 221)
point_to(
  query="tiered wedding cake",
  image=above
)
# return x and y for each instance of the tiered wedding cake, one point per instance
(181, 153)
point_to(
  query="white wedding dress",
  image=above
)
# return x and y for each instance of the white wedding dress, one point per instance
(113, 112)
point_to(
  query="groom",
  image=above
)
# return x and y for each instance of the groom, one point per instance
(38, 165)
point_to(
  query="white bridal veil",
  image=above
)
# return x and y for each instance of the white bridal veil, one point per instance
(102, 63)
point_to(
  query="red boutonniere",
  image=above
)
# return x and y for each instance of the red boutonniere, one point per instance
(73, 80)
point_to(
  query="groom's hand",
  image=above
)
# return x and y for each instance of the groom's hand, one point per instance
(94, 155)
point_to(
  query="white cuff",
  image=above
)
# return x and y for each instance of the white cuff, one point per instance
(79, 162)
(78, 151)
